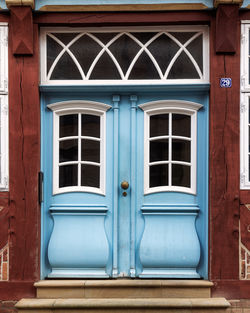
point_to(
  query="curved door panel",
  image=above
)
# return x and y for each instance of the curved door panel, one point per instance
(125, 184)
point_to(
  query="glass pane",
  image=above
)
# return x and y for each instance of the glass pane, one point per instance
(159, 125)
(65, 37)
(124, 50)
(90, 150)
(249, 42)
(105, 37)
(196, 50)
(143, 37)
(68, 150)
(249, 110)
(180, 175)
(90, 125)
(105, 68)
(85, 49)
(249, 71)
(53, 49)
(68, 175)
(181, 125)
(181, 150)
(159, 150)
(158, 175)
(183, 37)
(68, 125)
(248, 167)
(66, 69)
(183, 68)
(163, 50)
(248, 138)
(90, 176)
(144, 68)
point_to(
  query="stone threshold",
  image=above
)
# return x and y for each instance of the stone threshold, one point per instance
(208, 303)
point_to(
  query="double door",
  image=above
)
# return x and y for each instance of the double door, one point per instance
(125, 185)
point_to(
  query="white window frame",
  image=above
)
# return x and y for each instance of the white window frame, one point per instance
(244, 106)
(244, 141)
(245, 54)
(4, 125)
(76, 107)
(179, 107)
(125, 81)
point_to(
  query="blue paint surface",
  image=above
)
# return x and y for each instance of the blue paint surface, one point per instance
(41, 3)
(3, 5)
(245, 3)
(158, 235)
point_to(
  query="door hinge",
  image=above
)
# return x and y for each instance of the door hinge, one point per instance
(242, 80)
(242, 178)
(40, 187)
(6, 84)
(243, 38)
(243, 107)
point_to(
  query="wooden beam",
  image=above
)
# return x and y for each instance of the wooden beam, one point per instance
(224, 163)
(123, 18)
(24, 160)
(21, 29)
(17, 290)
(124, 7)
(217, 2)
(226, 24)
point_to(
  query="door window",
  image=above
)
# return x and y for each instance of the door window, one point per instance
(170, 146)
(120, 171)
(79, 144)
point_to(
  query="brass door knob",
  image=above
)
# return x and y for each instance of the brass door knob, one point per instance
(124, 185)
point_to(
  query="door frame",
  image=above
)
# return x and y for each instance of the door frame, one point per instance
(200, 92)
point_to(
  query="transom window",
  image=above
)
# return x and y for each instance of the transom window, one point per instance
(79, 156)
(161, 55)
(170, 146)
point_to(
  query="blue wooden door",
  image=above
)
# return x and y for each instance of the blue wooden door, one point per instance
(125, 184)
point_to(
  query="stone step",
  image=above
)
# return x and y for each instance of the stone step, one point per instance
(123, 288)
(156, 305)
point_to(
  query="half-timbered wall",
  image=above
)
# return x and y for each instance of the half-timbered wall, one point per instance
(19, 207)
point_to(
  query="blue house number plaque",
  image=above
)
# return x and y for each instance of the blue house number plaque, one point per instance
(225, 82)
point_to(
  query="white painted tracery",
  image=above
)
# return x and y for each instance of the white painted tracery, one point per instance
(201, 73)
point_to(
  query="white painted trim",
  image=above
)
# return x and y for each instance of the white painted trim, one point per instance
(183, 48)
(3, 59)
(244, 106)
(244, 142)
(66, 48)
(171, 106)
(204, 77)
(180, 105)
(4, 119)
(245, 57)
(124, 82)
(4, 150)
(75, 105)
(79, 107)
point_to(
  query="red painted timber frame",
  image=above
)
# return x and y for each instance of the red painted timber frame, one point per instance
(20, 210)
(22, 200)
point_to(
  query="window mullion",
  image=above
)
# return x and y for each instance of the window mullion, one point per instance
(170, 151)
(79, 148)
